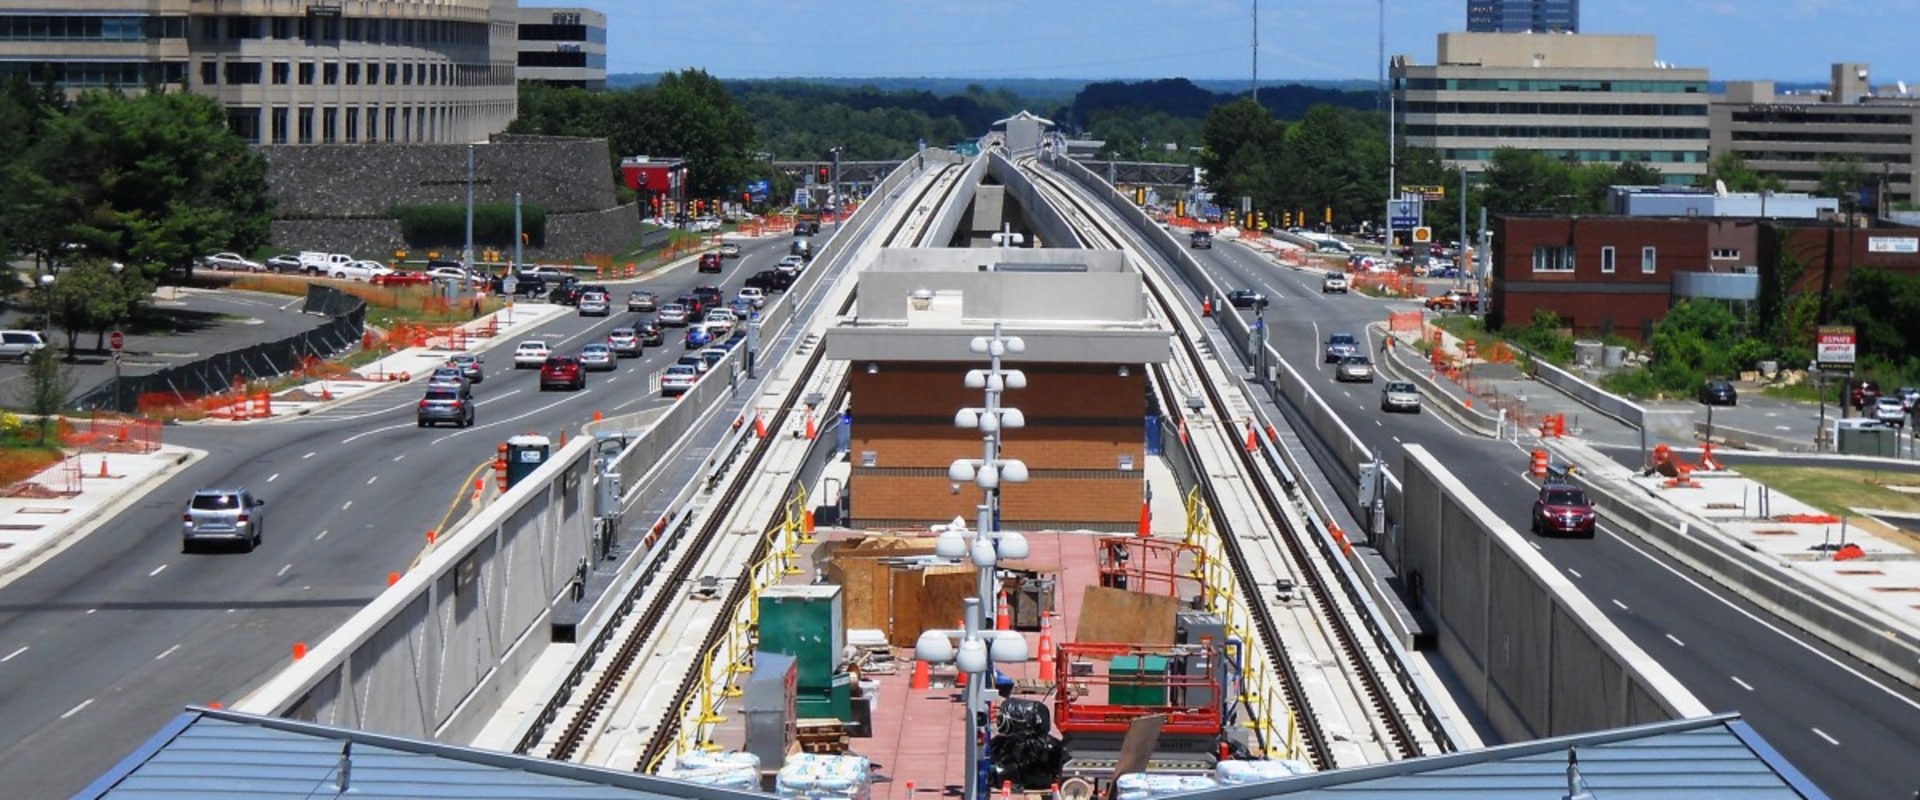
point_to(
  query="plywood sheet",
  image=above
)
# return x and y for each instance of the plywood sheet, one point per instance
(1122, 616)
(924, 598)
(856, 565)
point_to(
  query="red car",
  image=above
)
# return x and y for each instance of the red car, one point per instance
(563, 372)
(402, 278)
(710, 262)
(1563, 509)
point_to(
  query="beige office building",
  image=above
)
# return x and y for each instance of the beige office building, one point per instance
(1797, 137)
(564, 47)
(1590, 98)
(288, 71)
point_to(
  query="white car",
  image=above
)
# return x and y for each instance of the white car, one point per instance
(597, 357)
(1890, 411)
(530, 355)
(791, 264)
(358, 270)
(456, 275)
(232, 262)
(754, 296)
(678, 379)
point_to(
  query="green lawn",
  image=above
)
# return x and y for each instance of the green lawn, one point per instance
(1839, 491)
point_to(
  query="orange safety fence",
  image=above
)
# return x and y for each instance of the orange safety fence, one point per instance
(1391, 284)
(109, 433)
(1405, 321)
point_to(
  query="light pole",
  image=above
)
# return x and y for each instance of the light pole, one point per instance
(979, 649)
(989, 544)
(46, 302)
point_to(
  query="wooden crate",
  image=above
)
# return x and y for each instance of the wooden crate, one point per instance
(822, 736)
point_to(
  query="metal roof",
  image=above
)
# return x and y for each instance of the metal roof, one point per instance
(1717, 757)
(206, 753)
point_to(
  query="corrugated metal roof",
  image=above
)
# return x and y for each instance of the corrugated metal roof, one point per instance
(1714, 757)
(211, 754)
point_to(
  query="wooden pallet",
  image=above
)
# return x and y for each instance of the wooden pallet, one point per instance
(822, 736)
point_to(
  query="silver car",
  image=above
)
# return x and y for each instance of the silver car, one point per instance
(672, 315)
(1400, 396)
(1354, 368)
(227, 516)
(596, 357)
(445, 404)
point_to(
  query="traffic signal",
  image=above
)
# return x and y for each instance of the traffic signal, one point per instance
(1286, 219)
(1259, 220)
(822, 172)
(1139, 195)
(1329, 215)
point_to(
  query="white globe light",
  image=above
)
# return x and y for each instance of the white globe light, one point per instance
(960, 471)
(983, 553)
(1012, 470)
(1016, 344)
(976, 379)
(995, 384)
(950, 544)
(978, 345)
(972, 658)
(987, 477)
(1015, 378)
(966, 418)
(1008, 647)
(996, 347)
(989, 423)
(959, 523)
(933, 647)
(1012, 418)
(1013, 545)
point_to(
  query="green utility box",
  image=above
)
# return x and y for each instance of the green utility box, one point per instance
(806, 622)
(836, 700)
(1137, 681)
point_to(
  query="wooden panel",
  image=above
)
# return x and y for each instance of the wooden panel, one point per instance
(1124, 617)
(865, 583)
(927, 598)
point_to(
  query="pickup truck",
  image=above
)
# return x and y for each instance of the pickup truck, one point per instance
(1454, 300)
(314, 262)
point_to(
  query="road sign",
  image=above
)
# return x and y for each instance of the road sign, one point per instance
(115, 341)
(1404, 213)
(509, 285)
(1834, 348)
(1422, 234)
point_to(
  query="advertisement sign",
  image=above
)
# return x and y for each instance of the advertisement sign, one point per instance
(1833, 348)
(1893, 244)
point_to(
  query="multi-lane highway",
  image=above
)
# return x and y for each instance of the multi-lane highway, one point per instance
(1849, 728)
(114, 635)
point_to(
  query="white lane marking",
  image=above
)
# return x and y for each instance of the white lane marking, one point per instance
(347, 505)
(1676, 640)
(320, 535)
(157, 570)
(91, 610)
(1623, 606)
(499, 422)
(1574, 573)
(1708, 591)
(1743, 684)
(363, 434)
(1396, 440)
(491, 398)
(16, 654)
(89, 701)
(283, 571)
(396, 459)
(1823, 734)
(167, 652)
(273, 477)
(307, 456)
(372, 479)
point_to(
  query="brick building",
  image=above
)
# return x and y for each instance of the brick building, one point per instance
(1083, 317)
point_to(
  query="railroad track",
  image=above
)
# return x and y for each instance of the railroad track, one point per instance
(1332, 607)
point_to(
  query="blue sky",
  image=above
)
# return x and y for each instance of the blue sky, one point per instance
(1793, 40)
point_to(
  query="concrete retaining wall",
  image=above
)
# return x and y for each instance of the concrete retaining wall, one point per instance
(1047, 223)
(1658, 425)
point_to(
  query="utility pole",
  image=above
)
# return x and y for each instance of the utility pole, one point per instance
(466, 259)
(1256, 52)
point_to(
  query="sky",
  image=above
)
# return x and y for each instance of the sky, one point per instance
(1784, 40)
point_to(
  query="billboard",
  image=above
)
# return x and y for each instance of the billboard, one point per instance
(1833, 348)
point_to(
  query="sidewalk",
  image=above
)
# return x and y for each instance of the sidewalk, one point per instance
(38, 516)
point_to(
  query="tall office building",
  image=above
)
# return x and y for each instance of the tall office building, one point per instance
(288, 73)
(1801, 137)
(1585, 98)
(564, 47)
(1523, 16)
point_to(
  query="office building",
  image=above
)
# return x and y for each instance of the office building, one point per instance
(563, 47)
(1800, 137)
(1587, 98)
(288, 73)
(1523, 16)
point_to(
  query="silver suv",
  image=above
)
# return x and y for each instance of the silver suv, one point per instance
(19, 345)
(227, 516)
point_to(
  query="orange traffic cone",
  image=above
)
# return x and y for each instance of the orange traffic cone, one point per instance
(1046, 647)
(1146, 518)
(1253, 437)
(922, 679)
(810, 430)
(759, 426)
(1002, 616)
(325, 393)
(103, 467)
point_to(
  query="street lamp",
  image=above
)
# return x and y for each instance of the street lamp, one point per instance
(46, 302)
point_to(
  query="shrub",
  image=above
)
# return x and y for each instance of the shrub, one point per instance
(446, 225)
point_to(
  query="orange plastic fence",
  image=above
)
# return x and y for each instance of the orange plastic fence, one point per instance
(109, 433)
(1404, 321)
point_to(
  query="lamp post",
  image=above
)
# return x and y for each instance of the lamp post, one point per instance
(989, 544)
(46, 302)
(978, 650)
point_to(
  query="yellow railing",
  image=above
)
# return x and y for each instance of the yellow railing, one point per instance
(1220, 593)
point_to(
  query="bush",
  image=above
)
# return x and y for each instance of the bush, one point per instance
(1634, 383)
(446, 225)
(1542, 337)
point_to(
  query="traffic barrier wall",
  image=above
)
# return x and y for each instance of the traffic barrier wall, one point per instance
(1529, 647)
(1655, 424)
(1048, 224)
(946, 225)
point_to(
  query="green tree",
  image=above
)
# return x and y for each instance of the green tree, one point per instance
(1731, 169)
(90, 295)
(45, 390)
(1520, 181)
(1242, 142)
(1694, 340)
(1842, 177)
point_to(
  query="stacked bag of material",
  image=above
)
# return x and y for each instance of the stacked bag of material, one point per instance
(811, 776)
(1236, 772)
(1146, 785)
(1023, 750)
(737, 770)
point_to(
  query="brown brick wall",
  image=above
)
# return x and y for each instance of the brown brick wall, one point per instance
(1101, 503)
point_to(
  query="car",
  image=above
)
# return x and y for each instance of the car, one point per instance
(710, 297)
(20, 345)
(469, 365)
(769, 281)
(1454, 300)
(714, 355)
(530, 354)
(1246, 298)
(677, 380)
(455, 274)
(694, 305)
(401, 277)
(1563, 508)
(1908, 396)
(357, 270)
(594, 304)
(729, 249)
(642, 300)
(567, 293)
(722, 326)
(791, 265)
(1339, 346)
(1333, 282)
(1890, 411)
(801, 249)
(1200, 240)
(624, 342)
(450, 378)
(232, 262)
(523, 285)
(1862, 393)
(694, 360)
(597, 357)
(226, 516)
(673, 315)
(1354, 367)
(1400, 396)
(548, 274)
(285, 263)
(562, 372)
(754, 295)
(444, 404)
(710, 262)
(1718, 392)
(649, 333)
(699, 335)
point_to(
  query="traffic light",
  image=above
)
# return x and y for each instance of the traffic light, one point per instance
(1286, 219)
(1329, 215)
(822, 172)
(1259, 220)
(1139, 195)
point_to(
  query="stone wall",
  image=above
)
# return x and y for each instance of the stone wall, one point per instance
(609, 231)
(561, 175)
(568, 235)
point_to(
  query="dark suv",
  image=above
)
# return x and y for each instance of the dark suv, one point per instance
(770, 280)
(445, 404)
(1718, 392)
(710, 262)
(1562, 508)
(1201, 240)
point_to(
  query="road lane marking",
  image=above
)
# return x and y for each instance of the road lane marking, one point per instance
(1823, 734)
(273, 477)
(396, 459)
(157, 570)
(363, 434)
(16, 654)
(307, 456)
(167, 652)
(372, 479)
(320, 535)
(1623, 606)
(347, 505)
(1676, 640)
(1743, 684)
(89, 701)
(1574, 573)
(283, 571)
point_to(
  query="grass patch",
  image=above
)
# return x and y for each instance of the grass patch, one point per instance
(1803, 392)
(22, 454)
(387, 306)
(1839, 491)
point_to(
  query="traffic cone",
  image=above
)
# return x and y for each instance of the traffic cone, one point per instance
(1002, 616)
(810, 430)
(1183, 431)
(922, 679)
(325, 393)
(1253, 438)
(759, 426)
(1146, 518)
(1046, 647)
(103, 467)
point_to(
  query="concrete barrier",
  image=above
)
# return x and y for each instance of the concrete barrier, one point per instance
(1439, 399)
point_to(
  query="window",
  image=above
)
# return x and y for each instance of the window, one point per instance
(209, 73)
(282, 73)
(353, 74)
(1646, 260)
(306, 73)
(329, 122)
(306, 126)
(1726, 253)
(243, 72)
(280, 126)
(1606, 260)
(1552, 259)
(330, 73)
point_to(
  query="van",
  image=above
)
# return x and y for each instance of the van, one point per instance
(20, 345)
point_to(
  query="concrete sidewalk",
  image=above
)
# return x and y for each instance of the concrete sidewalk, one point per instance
(39, 516)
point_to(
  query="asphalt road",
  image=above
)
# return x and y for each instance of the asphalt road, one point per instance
(121, 630)
(1847, 727)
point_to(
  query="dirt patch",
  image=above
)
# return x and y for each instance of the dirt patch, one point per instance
(33, 491)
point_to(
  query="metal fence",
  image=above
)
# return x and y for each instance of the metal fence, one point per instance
(216, 374)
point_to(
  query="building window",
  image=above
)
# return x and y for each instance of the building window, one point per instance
(306, 126)
(282, 73)
(1552, 259)
(329, 122)
(243, 72)
(1606, 260)
(245, 123)
(330, 73)
(280, 126)
(391, 116)
(209, 73)
(1726, 253)
(306, 73)
(1647, 257)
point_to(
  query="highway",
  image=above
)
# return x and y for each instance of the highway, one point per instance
(1847, 727)
(114, 635)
